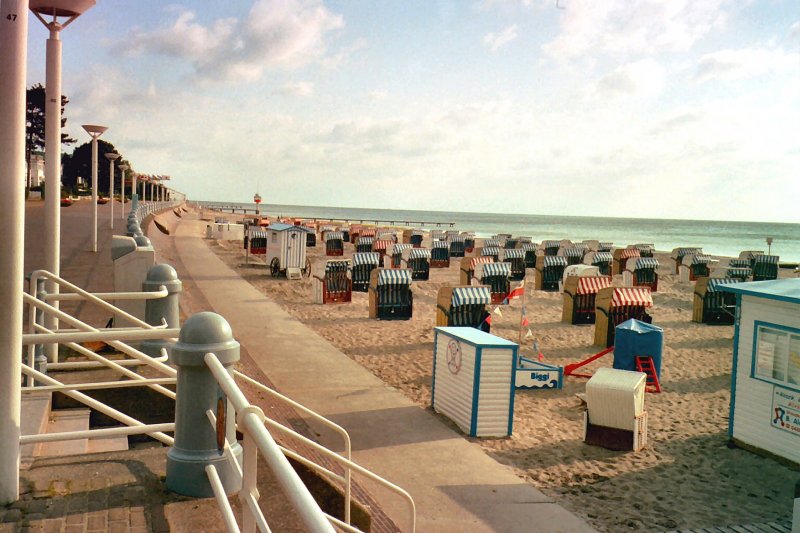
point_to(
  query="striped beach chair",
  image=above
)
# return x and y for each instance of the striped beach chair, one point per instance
(457, 245)
(530, 254)
(440, 254)
(334, 243)
(615, 305)
(711, 305)
(573, 254)
(491, 251)
(332, 282)
(601, 260)
(311, 236)
(363, 264)
(694, 266)
(469, 241)
(645, 250)
(551, 247)
(396, 253)
(364, 244)
(579, 298)
(765, 267)
(605, 246)
(467, 268)
(496, 277)
(381, 246)
(678, 253)
(516, 258)
(256, 241)
(419, 261)
(549, 271)
(390, 296)
(739, 269)
(621, 257)
(642, 272)
(413, 237)
(464, 307)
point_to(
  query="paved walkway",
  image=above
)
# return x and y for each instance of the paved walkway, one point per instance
(455, 485)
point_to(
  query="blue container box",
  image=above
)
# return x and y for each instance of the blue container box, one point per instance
(633, 338)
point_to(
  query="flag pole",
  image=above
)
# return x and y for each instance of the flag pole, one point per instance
(521, 312)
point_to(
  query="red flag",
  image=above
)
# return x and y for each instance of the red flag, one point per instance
(517, 292)
(488, 319)
(525, 321)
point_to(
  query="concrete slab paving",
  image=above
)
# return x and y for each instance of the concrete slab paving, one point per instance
(455, 485)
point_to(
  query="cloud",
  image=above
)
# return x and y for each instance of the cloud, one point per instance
(497, 41)
(297, 88)
(731, 65)
(639, 79)
(623, 27)
(275, 34)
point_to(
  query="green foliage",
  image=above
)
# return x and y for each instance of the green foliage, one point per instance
(79, 163)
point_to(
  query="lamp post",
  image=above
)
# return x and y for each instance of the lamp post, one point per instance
(68, 11)
(95, 131)
(134, 177)
(111, 156)
(769, 244)
(13, 59)
(122, 169)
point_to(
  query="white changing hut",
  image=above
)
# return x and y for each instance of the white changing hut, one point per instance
(765, 386)
(474, 380)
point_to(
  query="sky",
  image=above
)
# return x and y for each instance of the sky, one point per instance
(631, 108)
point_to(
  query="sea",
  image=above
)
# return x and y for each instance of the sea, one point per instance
(720, 238)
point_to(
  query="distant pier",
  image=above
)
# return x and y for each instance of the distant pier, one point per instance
(235, 209)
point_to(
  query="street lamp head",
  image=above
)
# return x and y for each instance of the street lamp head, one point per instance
(111, 156)
(123, 167)
(60, 8)
(94, 130)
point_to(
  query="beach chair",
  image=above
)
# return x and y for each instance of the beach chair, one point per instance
(390, 296)
(419, 261)
(694, 266)
(750, 256)
(516, 257)
(363, 264)
(605, 246)
(491, 251)
(641, 272)
(469, 241)
(615, 417)
(678, 253)
(345, 233)
(464, 307)
(621, 257)
(711, 305)
(494, 242)
(332, 282)
(334, 243)
(530, 254)
(549, 271)
(438, 235)
(645, 250)
(591, 245)
(381, 246)
(738, 269)
(467, 268)
(510, 243)
(395, 254)
(413, 237)
(440, 254)
(601, 260)
(579, 298)
(495, 276)
(355, 233)
(615, 305)
(256, 241)
(765, 267)
(457, 245)
(551, 247)
(364, 244)
(311, 236)
(573, 254)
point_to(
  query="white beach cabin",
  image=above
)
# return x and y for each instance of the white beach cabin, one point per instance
(765, 383)
(286, 250)
(474, 380)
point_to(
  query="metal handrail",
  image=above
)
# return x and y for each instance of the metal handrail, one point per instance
(96, 433)
(245, 410)
(114, 296)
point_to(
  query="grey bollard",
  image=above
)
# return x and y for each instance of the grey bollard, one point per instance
(166, 308)
(195, 439)
(141, 240)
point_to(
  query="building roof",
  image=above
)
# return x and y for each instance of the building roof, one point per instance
(785, 290)
(279, 226)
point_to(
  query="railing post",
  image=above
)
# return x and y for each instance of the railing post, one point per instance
(166, 308)
(195, 440)
(40, 359)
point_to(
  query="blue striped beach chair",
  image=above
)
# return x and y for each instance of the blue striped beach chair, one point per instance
(765, 267)
(464, 307)
(419, 261)
(516, 258)
(496, 277)
(364, 244)
(530, 254)
(363, 264)
(549, 272)
(390, 296)
(711, 305)
(440, 254)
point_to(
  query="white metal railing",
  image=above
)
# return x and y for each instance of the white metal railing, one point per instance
(252, 422)
(78, 332)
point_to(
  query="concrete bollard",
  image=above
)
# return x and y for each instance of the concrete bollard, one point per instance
(195, 439)
(166, 308)
(141, 240)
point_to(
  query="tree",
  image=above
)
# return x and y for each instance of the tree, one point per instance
(79, 163)
(35, 119)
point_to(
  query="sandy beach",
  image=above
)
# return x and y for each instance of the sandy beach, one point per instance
(687, 476)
